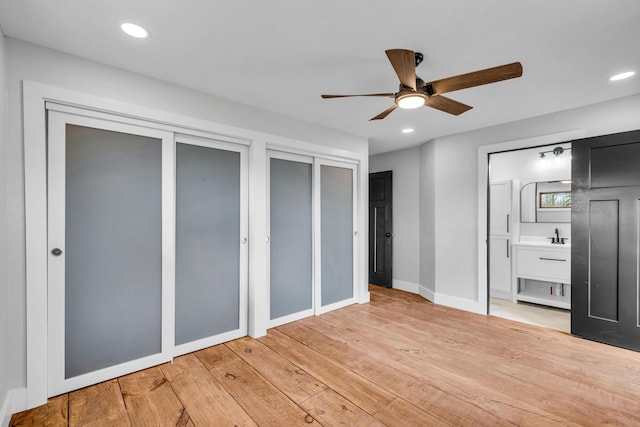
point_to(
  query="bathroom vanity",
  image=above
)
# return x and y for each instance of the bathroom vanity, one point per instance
(548, 268)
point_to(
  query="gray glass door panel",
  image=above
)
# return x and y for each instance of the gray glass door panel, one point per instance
(337, 228)
(291, 244)
(208, 233)
(113, 248)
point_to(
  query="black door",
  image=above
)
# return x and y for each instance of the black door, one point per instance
(380, 228)
(605, 220)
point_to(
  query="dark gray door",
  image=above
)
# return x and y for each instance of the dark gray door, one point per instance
(380, 228)
(605, 239)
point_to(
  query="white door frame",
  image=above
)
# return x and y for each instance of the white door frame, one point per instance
(36, 95)
(241, 331)
(272, 323)
(57, 383)
(317, 168)
(483, 183)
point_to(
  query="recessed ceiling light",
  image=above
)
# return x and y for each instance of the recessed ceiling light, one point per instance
(622, 76)
(134, 30)
(407, 130)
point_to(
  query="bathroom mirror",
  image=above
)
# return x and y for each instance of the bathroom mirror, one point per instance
(548, 201)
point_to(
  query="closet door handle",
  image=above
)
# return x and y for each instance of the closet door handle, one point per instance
(507, 248)
(507, 223)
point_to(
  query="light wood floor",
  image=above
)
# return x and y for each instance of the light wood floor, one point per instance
(398, 361)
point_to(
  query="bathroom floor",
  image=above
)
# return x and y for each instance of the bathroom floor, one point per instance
(533, 314)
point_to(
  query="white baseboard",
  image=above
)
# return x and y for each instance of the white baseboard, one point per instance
(500, 294)
(450, 301)
(15, 401)
(406, 286)
(459, 303)
(427, 293)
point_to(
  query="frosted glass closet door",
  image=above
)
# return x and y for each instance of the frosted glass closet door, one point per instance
(208, 244)
(291, 244)
(106, 262)
(337, 211)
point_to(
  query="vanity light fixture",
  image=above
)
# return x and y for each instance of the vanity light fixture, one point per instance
(622, 76)
(134, 30)
(407, 130)
(557, 152)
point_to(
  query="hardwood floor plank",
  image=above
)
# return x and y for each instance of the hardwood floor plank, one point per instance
(397, 361)
(402, 413)
(322, 403)
(150, 400)
(99, 401)
(430, 397)
(289, 378)
(120, 419)
(54, 414)
(518, 400)
(557, 357)
(204, 398)
(331, 409)
(267, 405)
(358, 390)
(580, 396)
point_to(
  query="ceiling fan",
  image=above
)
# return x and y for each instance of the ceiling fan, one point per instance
(414, 92)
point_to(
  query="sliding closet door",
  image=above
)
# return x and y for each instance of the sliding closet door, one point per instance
(110, 237)
(211, 244)
(337, 206)
(290, 237)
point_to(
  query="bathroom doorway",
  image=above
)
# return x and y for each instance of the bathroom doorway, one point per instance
(529, 244)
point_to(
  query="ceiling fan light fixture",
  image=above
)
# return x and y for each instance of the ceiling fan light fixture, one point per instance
(409, 102)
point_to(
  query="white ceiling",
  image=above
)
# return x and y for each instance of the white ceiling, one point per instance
(280, 55)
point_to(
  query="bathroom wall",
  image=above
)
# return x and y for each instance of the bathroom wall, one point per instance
(525, 166)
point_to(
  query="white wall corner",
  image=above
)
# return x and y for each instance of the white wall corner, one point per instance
(365, 297)
(15, 401)
(427, 293)
(414, 288)
(460, 303)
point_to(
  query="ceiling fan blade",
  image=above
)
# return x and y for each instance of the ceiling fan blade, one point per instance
(477, 78)
(404, 63)
(447, 105)
(388, 95)
(385, 113)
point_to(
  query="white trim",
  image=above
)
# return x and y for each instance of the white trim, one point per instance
(35, 95)
(290, 318)
(317, 231)
(457, 302)
(321, 309)
(56, 382)
(483, 179)
(281, 155)
(15, 401)
(192, 346)
(427, 293)
(414, 288)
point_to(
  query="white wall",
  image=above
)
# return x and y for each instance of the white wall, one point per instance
(427, 221)
(38, 64)
(405, 165)
(4, 301)
(525, 166)
(456, 187)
